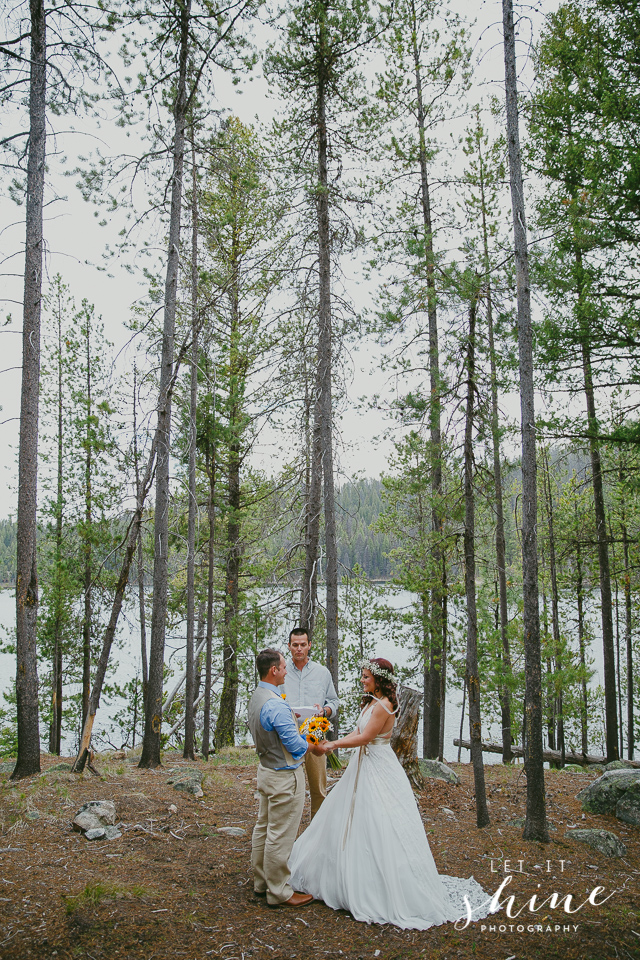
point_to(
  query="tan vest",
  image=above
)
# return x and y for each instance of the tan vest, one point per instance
(270, 748)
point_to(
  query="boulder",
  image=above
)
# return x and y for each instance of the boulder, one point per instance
(603, 841)
(96, 833)
(628, 806)
(95, 815)
(438, 771)
(573, 768)
(232, 831)
(188, 781)
(618, 765)
(603, 795)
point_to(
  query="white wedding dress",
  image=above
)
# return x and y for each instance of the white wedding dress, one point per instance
(366, 850)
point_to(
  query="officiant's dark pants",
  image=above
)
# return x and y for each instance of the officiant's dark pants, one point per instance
(281, 800)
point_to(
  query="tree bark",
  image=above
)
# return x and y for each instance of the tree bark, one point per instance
(501, 563)
(628, 638)
(473, 678)
(584, 702)
(116, 607)
(88, 521)
(189, 719)
(141, 603)
(325, 362)
(313, 507)
(150, 756)
(608, 648)
(28, 759)
(211, 472)
(555, 611)
(404, 739)
(55, 730)
(434, 699)
(536, 821)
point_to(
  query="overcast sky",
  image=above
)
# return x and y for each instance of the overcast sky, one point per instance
(75, 244)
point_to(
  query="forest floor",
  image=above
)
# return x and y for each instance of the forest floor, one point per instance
(172, 887)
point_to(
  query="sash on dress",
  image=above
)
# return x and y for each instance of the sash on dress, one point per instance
(363, 751)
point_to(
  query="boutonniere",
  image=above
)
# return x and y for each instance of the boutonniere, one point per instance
(284, 696)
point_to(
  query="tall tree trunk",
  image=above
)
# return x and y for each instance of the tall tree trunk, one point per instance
(325, 366)
(313, 506)
(473, 678)
(55, 730)
(141, 604)
(618, 670)
(555, 609)
(211, 473)
(610, 707)
(536, 820)
(189, 719)
(88, 532)
(116, 607)
(28, 760)
(433, 698)
(628, 637)
(150, 756)
(501, 563)
(584, 702)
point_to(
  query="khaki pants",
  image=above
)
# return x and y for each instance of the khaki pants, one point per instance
(281, 802)
(316, 768)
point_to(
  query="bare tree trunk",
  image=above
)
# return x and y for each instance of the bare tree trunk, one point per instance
(88, 522)
(610, 707)
(150, 756)
(628, 638)
(536, 820)
(313, 505)
(404, 739)
(55, 730)
(473, 678)
(28, 760)
(555, 611)
(141, 604)
(109, 634)
(501, 563)
(618, 670)
(584, 703)
(211, 471)
(325, 374)
(434, 696)
(189, 719)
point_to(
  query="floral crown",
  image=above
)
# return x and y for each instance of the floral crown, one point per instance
(377, 670)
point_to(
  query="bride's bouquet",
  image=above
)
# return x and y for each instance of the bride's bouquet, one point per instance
(314, 730)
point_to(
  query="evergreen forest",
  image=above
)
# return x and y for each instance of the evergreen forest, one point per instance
(182, 473)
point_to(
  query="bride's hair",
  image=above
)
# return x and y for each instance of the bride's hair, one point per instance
(384, 684)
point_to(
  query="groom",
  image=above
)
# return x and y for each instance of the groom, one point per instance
(281, 786)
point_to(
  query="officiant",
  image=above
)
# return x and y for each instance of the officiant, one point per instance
(309, 684)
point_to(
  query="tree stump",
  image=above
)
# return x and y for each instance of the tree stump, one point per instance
(404, 739)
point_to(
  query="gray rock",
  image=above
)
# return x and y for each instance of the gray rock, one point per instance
(32, 815)
(601, 840)
(438, 771)
(573, 768)
(59, 768)
(518, 822)
(94, 815)
(618, 765)
(97, 833)
(232, 831)
(7, 767)
(189, 773)
(189, 786)
(603, 794)
(628, 806)
(112, 833)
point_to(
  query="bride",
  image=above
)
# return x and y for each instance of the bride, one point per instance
(366, 850)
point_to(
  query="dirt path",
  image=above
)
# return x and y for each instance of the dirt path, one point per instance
(173, 887)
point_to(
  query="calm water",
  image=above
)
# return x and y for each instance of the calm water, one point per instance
(127, 659)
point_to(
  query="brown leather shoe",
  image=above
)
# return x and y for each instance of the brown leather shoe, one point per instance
(296, 900)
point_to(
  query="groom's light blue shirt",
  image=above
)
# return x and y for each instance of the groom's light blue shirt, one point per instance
(276, 715)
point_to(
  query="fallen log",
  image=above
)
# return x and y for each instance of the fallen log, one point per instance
(551, 756)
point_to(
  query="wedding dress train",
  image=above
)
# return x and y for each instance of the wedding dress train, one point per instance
(366, 850)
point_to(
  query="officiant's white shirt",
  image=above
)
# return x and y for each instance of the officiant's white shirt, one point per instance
(312, 684)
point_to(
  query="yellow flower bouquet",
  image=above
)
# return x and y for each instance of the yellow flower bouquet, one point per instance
(314, 730)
